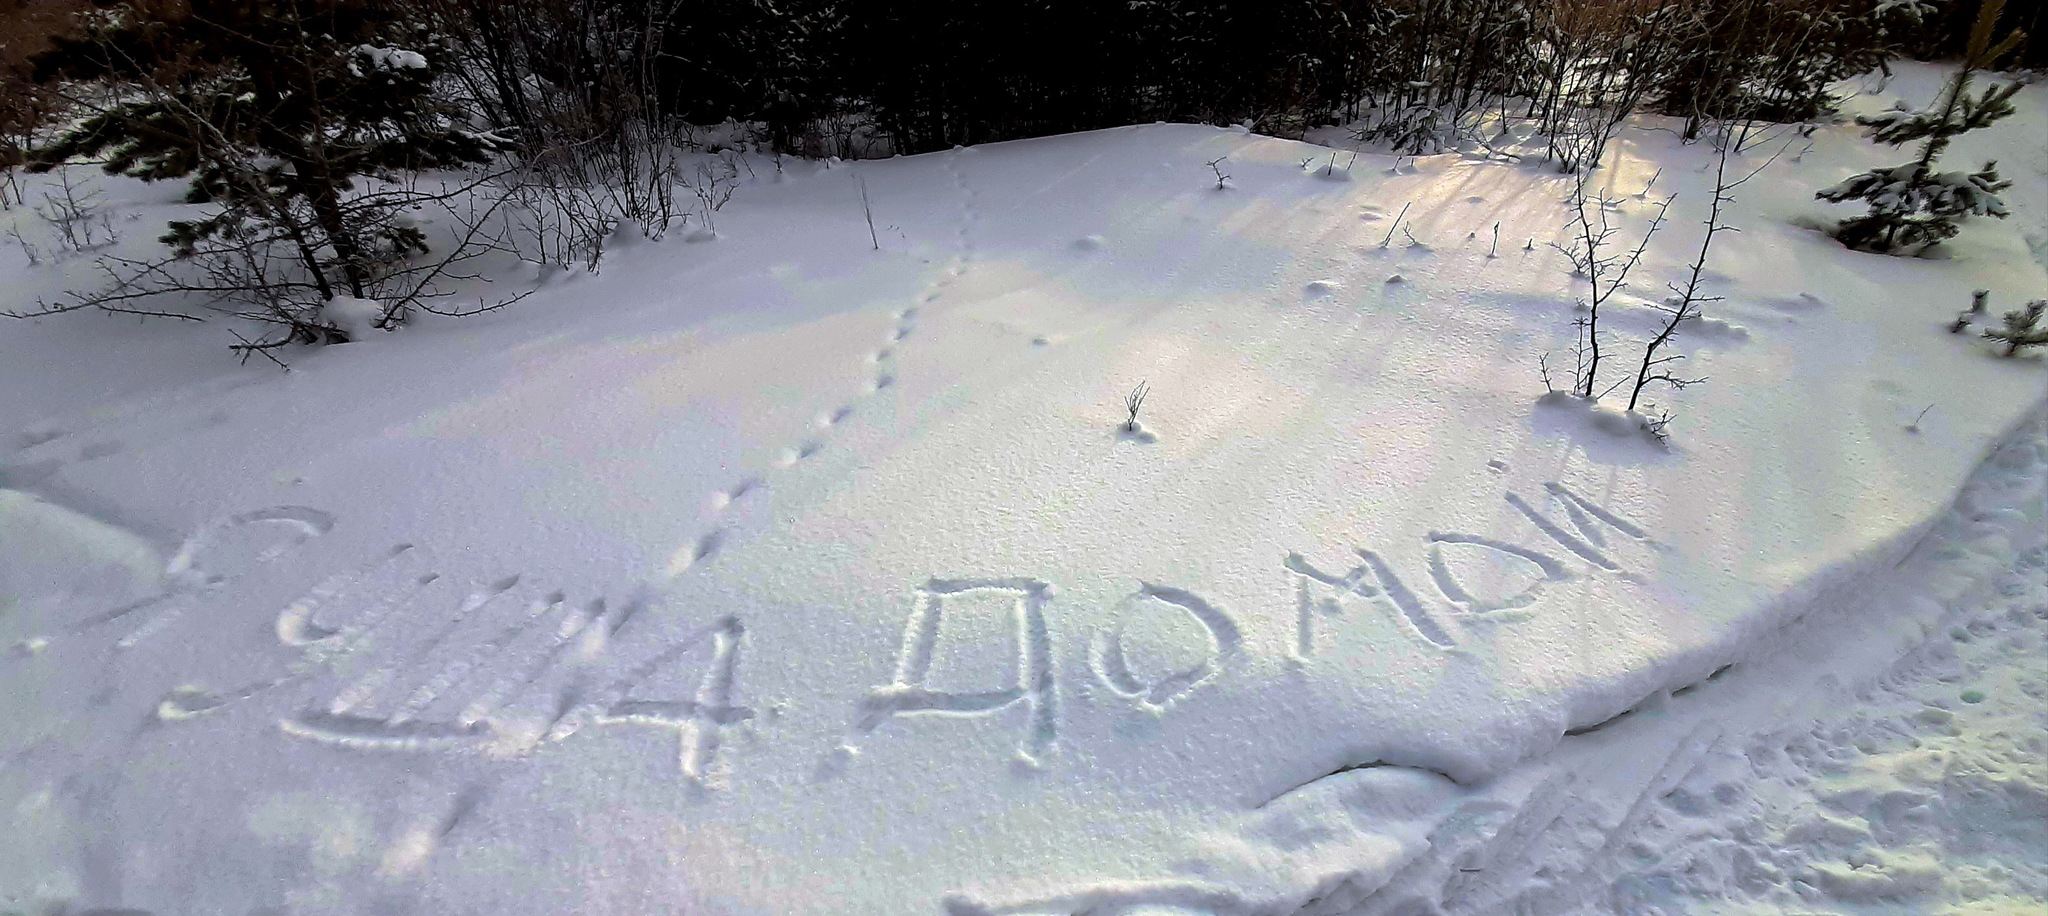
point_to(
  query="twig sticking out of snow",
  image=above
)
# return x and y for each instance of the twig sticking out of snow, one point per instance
(1978, 300)
(248, 346)
(1606, 272)
(1216, 166)
(869, 210)
(1914, 427)
(1645, 192)
(1133, 402)
(1397, 224)
(1685, 306)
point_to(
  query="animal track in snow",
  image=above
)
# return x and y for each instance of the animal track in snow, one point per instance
(28, 439)
(707, 545)
(726, 497)
(969, 208)
(1320, 289)
(836, 417)
(720, 502)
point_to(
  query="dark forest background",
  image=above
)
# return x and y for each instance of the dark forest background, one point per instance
(834, 77)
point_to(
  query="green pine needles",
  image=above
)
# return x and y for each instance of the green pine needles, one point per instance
(299, 120)
(2023, 328)
(1913, 207)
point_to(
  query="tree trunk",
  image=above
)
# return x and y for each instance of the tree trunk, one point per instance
(327, 209)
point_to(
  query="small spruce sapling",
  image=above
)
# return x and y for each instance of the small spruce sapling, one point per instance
(299, 123)
(2023, 328)
(1913, 207)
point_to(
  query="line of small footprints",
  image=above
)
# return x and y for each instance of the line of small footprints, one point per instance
(883, 361)
(723, 501)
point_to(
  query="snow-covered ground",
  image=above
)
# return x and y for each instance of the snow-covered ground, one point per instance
(774, 574)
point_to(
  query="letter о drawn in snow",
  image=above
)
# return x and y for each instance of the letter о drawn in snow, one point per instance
(1481, 575)
(1018, 607)
(1112, 654)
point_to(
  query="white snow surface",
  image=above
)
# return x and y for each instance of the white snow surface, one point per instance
(775, 574)
(358, 317)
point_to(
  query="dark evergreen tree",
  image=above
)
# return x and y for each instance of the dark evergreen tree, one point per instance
(276, 111)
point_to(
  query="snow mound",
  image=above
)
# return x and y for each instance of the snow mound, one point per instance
(1330, 172)
(1717, 329)
(1610, 434)
(52, 558)
(387, 59)
(355, 317)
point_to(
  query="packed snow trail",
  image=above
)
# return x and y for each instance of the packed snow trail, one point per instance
(771, 573)
(1884, 756)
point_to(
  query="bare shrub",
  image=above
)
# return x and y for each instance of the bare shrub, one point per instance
(1605, 270)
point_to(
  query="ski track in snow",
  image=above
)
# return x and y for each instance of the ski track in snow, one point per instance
(1886, 782)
